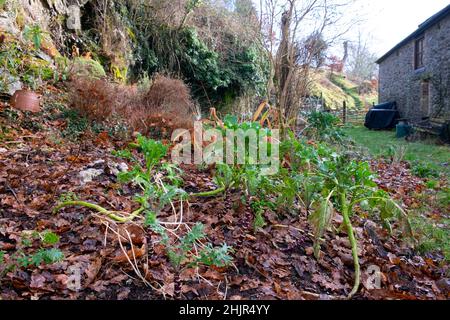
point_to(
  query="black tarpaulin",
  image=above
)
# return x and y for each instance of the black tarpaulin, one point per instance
(386, 106)
(382, 116)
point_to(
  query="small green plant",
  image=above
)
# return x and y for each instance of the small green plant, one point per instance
(331, 182)
(424, 170)
(49, 238)
(159, 183)
(42, 256)
(34, 34)
(396, 154)
(184, 252)
(323, 126)
(432, 236)
(76, 126)
(62, 69)
(23, 259)
(259, 207)
(432, 184)
(122, 154)
(189, 251)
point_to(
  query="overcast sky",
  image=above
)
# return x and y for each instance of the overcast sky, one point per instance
(390, 21)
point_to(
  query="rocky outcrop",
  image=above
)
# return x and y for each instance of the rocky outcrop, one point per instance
(40, 12)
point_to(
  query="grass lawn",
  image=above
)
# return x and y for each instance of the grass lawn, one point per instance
(378, 144)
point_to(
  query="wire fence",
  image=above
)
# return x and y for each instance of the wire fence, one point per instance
(347, 115)
(350, 116)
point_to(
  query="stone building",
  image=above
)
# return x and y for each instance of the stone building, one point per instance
(416, 72)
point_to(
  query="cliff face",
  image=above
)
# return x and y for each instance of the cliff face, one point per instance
(34, 42)
(39, 12)
(206, 46)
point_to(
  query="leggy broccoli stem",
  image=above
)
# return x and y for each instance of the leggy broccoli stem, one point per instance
(98, 209)
(209, 193)
(351, 236)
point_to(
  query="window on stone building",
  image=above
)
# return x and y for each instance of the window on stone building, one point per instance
(418, 53)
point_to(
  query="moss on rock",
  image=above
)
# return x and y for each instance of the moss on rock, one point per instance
(85, 67)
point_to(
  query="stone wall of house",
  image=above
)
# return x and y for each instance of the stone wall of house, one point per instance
(400, 81)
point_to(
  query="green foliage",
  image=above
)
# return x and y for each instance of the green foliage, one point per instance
(340, 81)
(192, 4)
(155, 194)
(432, 237)
(424, 170)
(395, 154)
(217, 68)
(153, 151)
(34, 34)
(246, 130)
(19, 63)
(215, 256)
(50, 238)
(338, 182)
(212, 75)
(323, 126)
(225, 176)
(77, 125)
(69, 196)
(44, 256)
(320, 220)
(23, 259)
(189, 250)
(259, 207)
(432, 184)
(63, 68)
(123, 154)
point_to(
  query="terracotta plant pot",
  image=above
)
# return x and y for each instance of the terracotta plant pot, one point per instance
(26, 100)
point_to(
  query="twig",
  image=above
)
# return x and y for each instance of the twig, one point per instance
(13, 192)
(226, 289)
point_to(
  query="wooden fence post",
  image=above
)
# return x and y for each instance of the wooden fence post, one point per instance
(344, 112)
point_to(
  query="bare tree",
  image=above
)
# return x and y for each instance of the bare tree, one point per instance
(296, 34)
(361, 64)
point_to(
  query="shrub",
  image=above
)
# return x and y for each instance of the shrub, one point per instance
(165, 106)
(323, 126)
(168, 94)
(93, 99)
